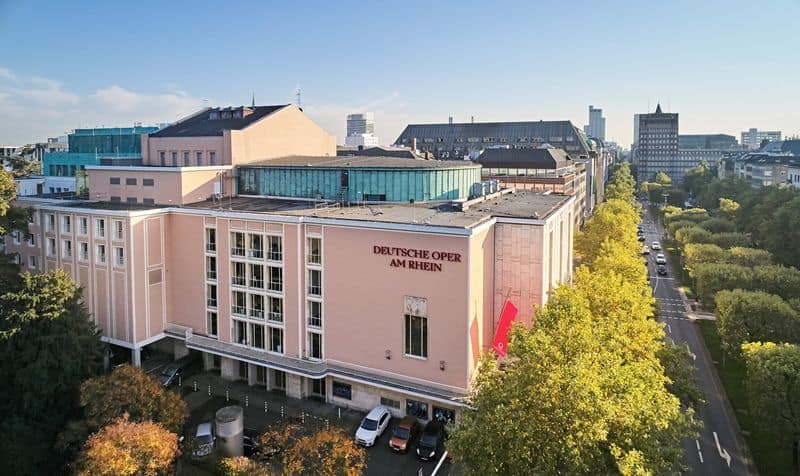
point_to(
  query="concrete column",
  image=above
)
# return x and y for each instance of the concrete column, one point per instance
(208, 361)
(229, 368)
(136, 356)
(180, 349)
(251, 374)
(294, 386)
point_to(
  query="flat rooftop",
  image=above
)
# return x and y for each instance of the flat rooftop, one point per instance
(364, 162)
(529, 204)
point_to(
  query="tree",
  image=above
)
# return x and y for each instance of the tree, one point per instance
(774, 279)
(130, 390)
(613, 220)
(22, 167)
(695, 254)
(129, 448)
(694, 234)
(773, 389)
(676, 197)
(750, 316)
(241, 466)
(718, 225)
(782, 229)
(48, 345)
(662, 179)
(748, 256)
(621, 185)
(326, 453)
(728, 208)
(674, 226)
(711, 278)
(679, 369)
(730, 240)
(696, 178)
(7, 193)
(732, 188)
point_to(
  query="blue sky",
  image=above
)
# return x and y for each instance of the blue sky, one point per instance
(723, 65)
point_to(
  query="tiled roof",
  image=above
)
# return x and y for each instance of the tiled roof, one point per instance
(202, 125)
(545, 158)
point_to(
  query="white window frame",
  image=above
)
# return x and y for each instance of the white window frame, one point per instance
(118, 229)
(83, 226)
(100, 253)
(83, 246)
(50, 247)
(66, 224)
(66, 249)
(100, 227)
(119, 256)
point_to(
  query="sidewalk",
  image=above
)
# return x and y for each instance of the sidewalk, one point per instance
(691, 313)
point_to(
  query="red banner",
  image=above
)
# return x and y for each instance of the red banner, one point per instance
(508, 315)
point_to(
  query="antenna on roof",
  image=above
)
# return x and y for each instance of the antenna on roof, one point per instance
(253, 103)
(298, 95)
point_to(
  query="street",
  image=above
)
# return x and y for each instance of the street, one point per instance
(718, 450)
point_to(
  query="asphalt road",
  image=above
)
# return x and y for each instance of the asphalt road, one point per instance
(719, 436)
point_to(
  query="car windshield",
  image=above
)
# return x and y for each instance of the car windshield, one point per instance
(204, 439)
(401, 433)
(368, 424)
(169, 371)
(427, 440)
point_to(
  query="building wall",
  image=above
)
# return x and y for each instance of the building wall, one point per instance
(152, 147)
(283, 133)
(171, 185)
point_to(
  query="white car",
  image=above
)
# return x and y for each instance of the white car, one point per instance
(373, 425)
(204, 440)
(656, 245)
(660, 259)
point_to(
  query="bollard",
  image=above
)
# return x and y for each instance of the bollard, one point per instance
(195, 385)
(281, 411)
(327, 425)
(209, 390)
(179, 380)
(303, 418)
(340, 412)
(265, 406)
(227, 395)
(246, 401)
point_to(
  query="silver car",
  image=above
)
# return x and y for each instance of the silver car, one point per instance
(203, 440)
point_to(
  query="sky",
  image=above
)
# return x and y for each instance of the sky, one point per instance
(725, 66)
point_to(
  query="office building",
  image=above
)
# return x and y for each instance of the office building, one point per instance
(655, 147)
(597, 124)
(355, 304)
(469, 140)
(361, 130)
(752, 137)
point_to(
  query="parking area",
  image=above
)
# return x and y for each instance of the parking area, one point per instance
(206, 392)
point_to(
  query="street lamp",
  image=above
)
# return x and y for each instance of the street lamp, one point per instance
(665, 195)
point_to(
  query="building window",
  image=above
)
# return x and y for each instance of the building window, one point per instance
(148, 201)
(257, 336)
(239, 332)
(31, 261)
(115, 199)
(391, 403)
(66, 224)
(416, 337)
(275, 339)
(148, 182)
(186, 159)
(199, 157)
(342, 390)
(100, 254)
(50, 223)
(238, 274)
(211, 240)
(314, 346)
(275, 308)
(237, 244)
(256, 276)
(211, 268)
(315, 313)
(314, 251)
(100, 227)
(50, 248)
(275, 279)
(15, 237)
(113, 180)
(119, 256)
(130, 181)
(161, 156)
(275, 248)
(66, 249)
(131, 200)
(417, 409)
(31, 239)
(83, 251)
(239, 303)
(314, 282)
(256, 306)
(255, 247)
(212, 158)
(83, 225)
(211, 323)
(174, 157)
(211, 295)
(117, 229)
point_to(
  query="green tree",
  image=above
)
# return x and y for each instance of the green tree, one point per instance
(711, 278)
(730, 240)
(677, 197)
(680, 370)
(22, 167)
(758, 207)
(674, 226)
(621, 185)
(733, 188)
(773, 389)
(750, 316)
(783, 229)
(718, 225)
(7, 193)
(774, 279)
(662, 179)
(695, 254)
(129, 390)
(697, 178)
(126, 448)
(694, 234)
(749, 256)
(48, 345)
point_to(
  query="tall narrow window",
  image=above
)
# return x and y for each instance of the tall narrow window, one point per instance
(275, 248)
(100, 254)
(211, 268)
(416, 338)
(255, 247)
(66, 224)
(315, 313)
(66, 249)
(239, 303)
(257, 336)
(211, 295)
(238, 274)
(275, 308)
(239, 332)
(162, 158)
(275, 278)
(276, 339)
(256, 276)
(50, 223)
(237, 244)
(186, 159)
(314, 282)
(101, 228)
(117, 229)
(211, 240)
(212, 158)
(83, 226)
(315, 345)
(256, 306)
(211, 323)
(83, 254)
(199, 158)
(174, 156)
(119, 256)
(314, 251)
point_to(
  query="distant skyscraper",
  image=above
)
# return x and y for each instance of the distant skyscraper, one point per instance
(361, 130)
(597, 124)
(753, 137)
(656, 145)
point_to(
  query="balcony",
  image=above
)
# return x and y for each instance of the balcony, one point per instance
(276, 286)
(238, 281)
(237, 252)
(240, 310)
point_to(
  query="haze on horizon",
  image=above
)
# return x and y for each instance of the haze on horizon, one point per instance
(724, 66)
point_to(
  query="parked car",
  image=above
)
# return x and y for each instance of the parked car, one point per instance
(656, 245)
(660, 259)
(373, 425)
(642, 238)
(645, 250)
(430, 440)
(169, 375)
(404, 433)
(662, 270)
(204, 440)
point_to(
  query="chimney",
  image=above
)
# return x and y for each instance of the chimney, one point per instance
(414, 144)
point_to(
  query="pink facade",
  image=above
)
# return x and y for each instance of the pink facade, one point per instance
(159, 185)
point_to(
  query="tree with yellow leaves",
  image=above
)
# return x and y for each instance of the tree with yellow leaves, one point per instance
(325, 453)
(127, 448)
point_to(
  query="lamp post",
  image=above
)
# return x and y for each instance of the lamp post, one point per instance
(665, 195)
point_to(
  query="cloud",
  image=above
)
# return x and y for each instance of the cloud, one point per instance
(36, 108)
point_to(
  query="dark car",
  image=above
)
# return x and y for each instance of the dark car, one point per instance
(404, 433)
(430, 440)
(642, 238)
(662, 270)
(173, 371)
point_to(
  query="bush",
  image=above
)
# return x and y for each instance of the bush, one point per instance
(729, 240)
(694, 234)
(780, 280)
(718, 225)
(750, 316)
(714, 277)
(674, 226)
(748, 256)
